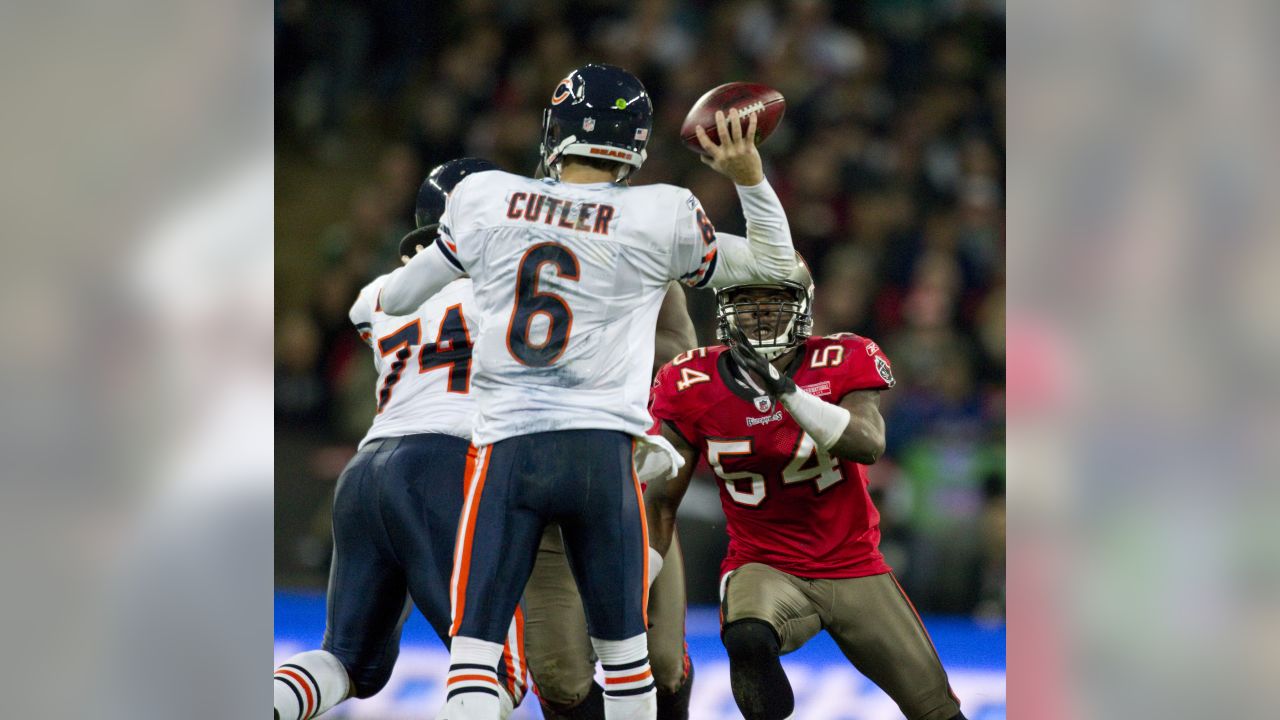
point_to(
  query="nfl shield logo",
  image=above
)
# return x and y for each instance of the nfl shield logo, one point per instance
(588, 124)
(764, 403)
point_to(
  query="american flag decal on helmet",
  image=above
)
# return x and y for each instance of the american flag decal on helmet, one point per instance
(642, 133)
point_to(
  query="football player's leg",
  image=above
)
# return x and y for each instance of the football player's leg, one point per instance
(876, 627)
(497, 542)
(421, 500)
(422, 509)
(308, 684)
(607, 546)
(512, 665)
(765, 614)
(561, 660)
(366, 605)
(668, 653)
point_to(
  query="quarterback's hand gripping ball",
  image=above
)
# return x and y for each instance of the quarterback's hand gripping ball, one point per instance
(750, 100)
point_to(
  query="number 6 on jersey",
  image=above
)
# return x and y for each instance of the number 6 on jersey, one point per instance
(530, 302)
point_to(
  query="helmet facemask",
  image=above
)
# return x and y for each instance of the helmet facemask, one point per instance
(775, 318)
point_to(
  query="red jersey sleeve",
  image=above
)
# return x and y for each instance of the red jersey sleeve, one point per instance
(864, 366)
(671, 402)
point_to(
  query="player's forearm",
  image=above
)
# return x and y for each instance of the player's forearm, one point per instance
(862, 440)
(766, 254)
(660, 505)
(661, 501)
(824, 422)
(414, 283)
(768, 232)
(661, 517)
(853, 430)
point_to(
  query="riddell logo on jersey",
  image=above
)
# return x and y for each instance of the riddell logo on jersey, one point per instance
(752, 422)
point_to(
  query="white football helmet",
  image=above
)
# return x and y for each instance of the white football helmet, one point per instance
(772, 326)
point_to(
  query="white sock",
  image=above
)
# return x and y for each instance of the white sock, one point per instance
(472, 691)
(308, 684)
(506, 706)
(629, 690)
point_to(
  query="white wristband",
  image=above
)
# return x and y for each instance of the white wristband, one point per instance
(655, 565)
(825, 422)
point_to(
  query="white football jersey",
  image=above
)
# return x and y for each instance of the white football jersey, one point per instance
(423, 360)
(568, 280)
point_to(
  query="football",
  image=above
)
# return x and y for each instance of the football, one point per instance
(747, 97)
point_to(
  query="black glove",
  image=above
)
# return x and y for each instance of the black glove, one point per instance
(748, 358)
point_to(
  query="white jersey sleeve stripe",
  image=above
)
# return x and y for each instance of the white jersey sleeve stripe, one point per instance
(449, 253)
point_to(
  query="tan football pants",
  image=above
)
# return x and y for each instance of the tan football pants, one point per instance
(869, 618)
(557, 648)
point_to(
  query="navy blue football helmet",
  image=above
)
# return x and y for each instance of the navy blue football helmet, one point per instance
(432, 195)
(598, 111)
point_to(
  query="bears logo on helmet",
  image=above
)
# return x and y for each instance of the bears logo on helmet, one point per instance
(566, 90)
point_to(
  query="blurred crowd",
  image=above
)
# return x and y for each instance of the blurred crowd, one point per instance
(890, 161)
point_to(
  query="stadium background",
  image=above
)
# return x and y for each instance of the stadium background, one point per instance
(890, 162)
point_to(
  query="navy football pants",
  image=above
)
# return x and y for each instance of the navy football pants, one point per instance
(581, 479)
(395, 523)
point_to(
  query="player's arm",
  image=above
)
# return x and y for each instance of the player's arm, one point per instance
(663, 495)
(431, 269)
(767, 253)
(675, 329)
(423, 276)
(361, 314)
(862, 439)
(853, 429)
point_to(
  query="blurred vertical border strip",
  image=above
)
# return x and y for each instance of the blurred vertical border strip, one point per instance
(136, 509)
(1144, 342)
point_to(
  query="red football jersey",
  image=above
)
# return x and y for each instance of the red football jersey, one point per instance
(789, 505)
